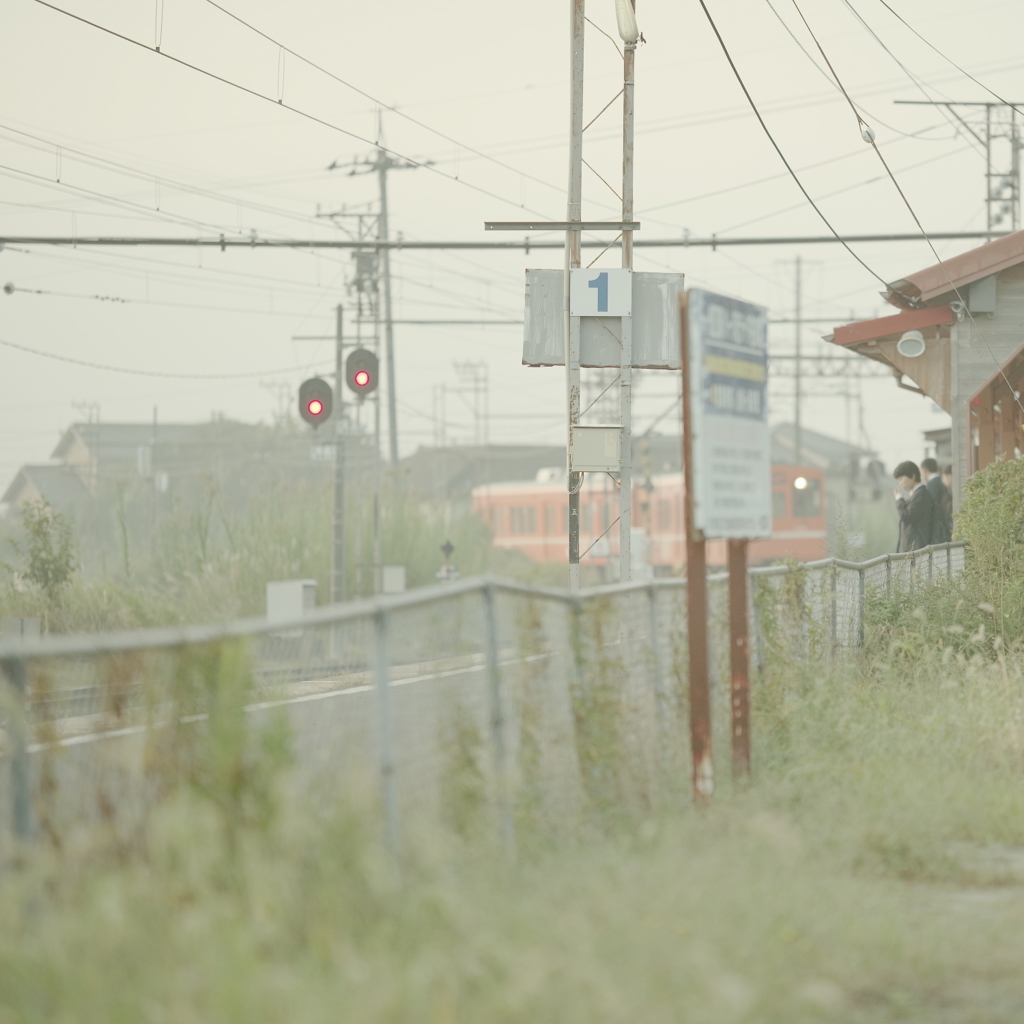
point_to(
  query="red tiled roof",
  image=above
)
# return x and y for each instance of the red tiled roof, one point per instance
(961, 270)
(883, 327)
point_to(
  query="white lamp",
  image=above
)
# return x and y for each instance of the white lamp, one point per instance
(626, 18)
(911, 345)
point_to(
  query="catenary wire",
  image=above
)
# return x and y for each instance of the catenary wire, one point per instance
(148, 373)
(778, 149)
(914, 79)
(917, 220)
(948, 60)
(286, 106)
(824, 73)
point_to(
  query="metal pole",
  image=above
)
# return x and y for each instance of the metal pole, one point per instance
(739, 658)
(696, 604)
(659, 681)
(835, 608)
(626, 362)
(497, 709)
(988, 166)
(860, 607)
(338, 542)
(798, 324)
(16, 729)
(383, 163)
(572, 260)
(386, 733)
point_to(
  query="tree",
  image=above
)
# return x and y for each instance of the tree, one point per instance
(48, 548)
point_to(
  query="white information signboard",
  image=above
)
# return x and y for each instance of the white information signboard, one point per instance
(728, 354)
(594, 292)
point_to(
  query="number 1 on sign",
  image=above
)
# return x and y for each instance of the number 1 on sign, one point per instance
(601, 284)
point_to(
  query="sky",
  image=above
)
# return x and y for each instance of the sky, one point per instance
(103, 134)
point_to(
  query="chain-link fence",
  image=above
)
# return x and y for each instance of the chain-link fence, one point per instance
(482, 704)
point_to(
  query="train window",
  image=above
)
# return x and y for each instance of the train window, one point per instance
(778, 504)
(806, 499)
(664, 514)
(550, 514)
(584, 519)
(522, 520)
(565, 519)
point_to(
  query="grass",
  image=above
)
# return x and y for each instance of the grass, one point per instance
(871, 871)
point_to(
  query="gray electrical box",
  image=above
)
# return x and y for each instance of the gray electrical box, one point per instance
(656, 322)
(596, 449)
(981, 295)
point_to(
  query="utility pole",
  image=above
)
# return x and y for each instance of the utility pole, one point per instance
(797, 327)
(338, 545)
(384, 164)
(1002, 187)
(626, 364)
(574, 204)
(381, 163)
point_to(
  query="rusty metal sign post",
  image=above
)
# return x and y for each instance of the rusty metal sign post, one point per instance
(739, 659)
(696, 597)
(727, 477)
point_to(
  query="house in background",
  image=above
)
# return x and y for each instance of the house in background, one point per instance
(958, 339)
(119, 481)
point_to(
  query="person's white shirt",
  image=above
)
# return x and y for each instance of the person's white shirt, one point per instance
(909, 494)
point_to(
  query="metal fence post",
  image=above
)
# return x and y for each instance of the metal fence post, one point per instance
(14, 669)
(949, 561)
(860, 607)
(931, 563)
(888, 576)
(386, 732)
(659, 680)
(835, 610)
(497, 715)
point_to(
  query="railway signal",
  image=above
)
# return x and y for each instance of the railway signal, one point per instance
(315, 401)
(361, 371)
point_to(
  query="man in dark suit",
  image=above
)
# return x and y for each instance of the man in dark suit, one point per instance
(943, 501)
(917, 509)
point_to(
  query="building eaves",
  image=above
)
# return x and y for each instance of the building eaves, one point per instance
(891, 326)
(920, 288)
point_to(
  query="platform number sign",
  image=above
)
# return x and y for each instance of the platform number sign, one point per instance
(601, 284)
(601, 292)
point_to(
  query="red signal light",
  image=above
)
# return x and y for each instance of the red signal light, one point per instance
(315, 407)
(362, 378)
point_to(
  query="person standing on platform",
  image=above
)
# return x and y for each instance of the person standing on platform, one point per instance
(943, 499)
(916, 507)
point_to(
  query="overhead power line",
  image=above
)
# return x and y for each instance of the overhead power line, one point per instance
(279, 102)
(947, 59)
(527, 244)
(778, 149)
(150, 373)
(913, 213)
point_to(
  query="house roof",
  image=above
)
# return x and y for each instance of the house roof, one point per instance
(61, 486)
(889, 326)
(818, 450)
(920, 288)
(118, 440)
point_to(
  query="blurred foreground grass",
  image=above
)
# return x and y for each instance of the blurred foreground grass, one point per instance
(872, 871)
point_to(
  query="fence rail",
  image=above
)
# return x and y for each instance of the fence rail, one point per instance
(483, 699)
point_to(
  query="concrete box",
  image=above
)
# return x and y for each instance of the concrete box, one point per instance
(289, 599)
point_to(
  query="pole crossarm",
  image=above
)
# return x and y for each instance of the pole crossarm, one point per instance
(526, 244)
(561, 225)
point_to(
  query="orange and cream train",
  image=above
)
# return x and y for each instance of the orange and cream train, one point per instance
(533, 517)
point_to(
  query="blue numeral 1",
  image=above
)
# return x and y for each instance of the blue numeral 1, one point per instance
(601, 284)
